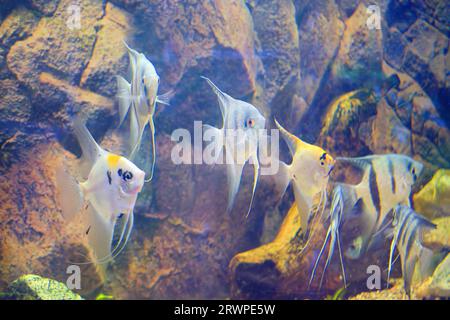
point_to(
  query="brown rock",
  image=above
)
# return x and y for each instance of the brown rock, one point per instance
(18, 25)
(434, 199)
(278, 46)
(358, 61)
(34, 238)
(343, 124)
(320, 33)
(109, 57)
(55, 46)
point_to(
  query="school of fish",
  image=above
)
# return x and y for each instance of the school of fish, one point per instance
(106, 185)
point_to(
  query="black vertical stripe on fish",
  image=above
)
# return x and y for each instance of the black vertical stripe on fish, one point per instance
(108, 173)
(392, 174)
(374, 191)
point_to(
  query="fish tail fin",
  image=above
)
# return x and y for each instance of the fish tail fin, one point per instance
(165, 98)
(69, 194)
(124, 97)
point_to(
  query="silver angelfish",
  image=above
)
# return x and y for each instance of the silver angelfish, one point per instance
(141, 95)
(239, 137)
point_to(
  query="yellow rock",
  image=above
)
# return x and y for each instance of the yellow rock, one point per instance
(434, 199)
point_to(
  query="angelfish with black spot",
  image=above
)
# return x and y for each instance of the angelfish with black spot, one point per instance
(110, 189)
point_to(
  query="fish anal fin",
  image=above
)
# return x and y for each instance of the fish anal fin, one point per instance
(100, 234)
(234, 174)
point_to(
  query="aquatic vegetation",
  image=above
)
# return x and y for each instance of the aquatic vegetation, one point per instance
(34, 287)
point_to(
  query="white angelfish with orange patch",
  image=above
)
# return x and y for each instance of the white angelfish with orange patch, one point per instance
(141, 95)
(111, 189)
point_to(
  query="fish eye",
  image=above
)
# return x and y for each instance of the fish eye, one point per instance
(127, 175)
(119, 172)
(250, 123)
(322, 163)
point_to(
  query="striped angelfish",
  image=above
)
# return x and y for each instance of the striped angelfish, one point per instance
(387, 181)
(408, 229)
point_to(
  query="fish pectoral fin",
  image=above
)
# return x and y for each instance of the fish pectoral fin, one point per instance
(165, 98)
(358, 208)
(234, 174)
(124, 97)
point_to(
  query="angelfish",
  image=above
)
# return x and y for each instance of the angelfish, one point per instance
(408, 230)
(239, 138)
(308, 173)
(141, 95)
(387, 181)
(111, 189)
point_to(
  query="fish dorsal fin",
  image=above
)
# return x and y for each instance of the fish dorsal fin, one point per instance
(425, 223)
(91, 151)
(224, 99)
(363, 163)
(133, 56)
(293, 142)
(133, 53)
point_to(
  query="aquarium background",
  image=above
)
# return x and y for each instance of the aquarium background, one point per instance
(296, 61)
